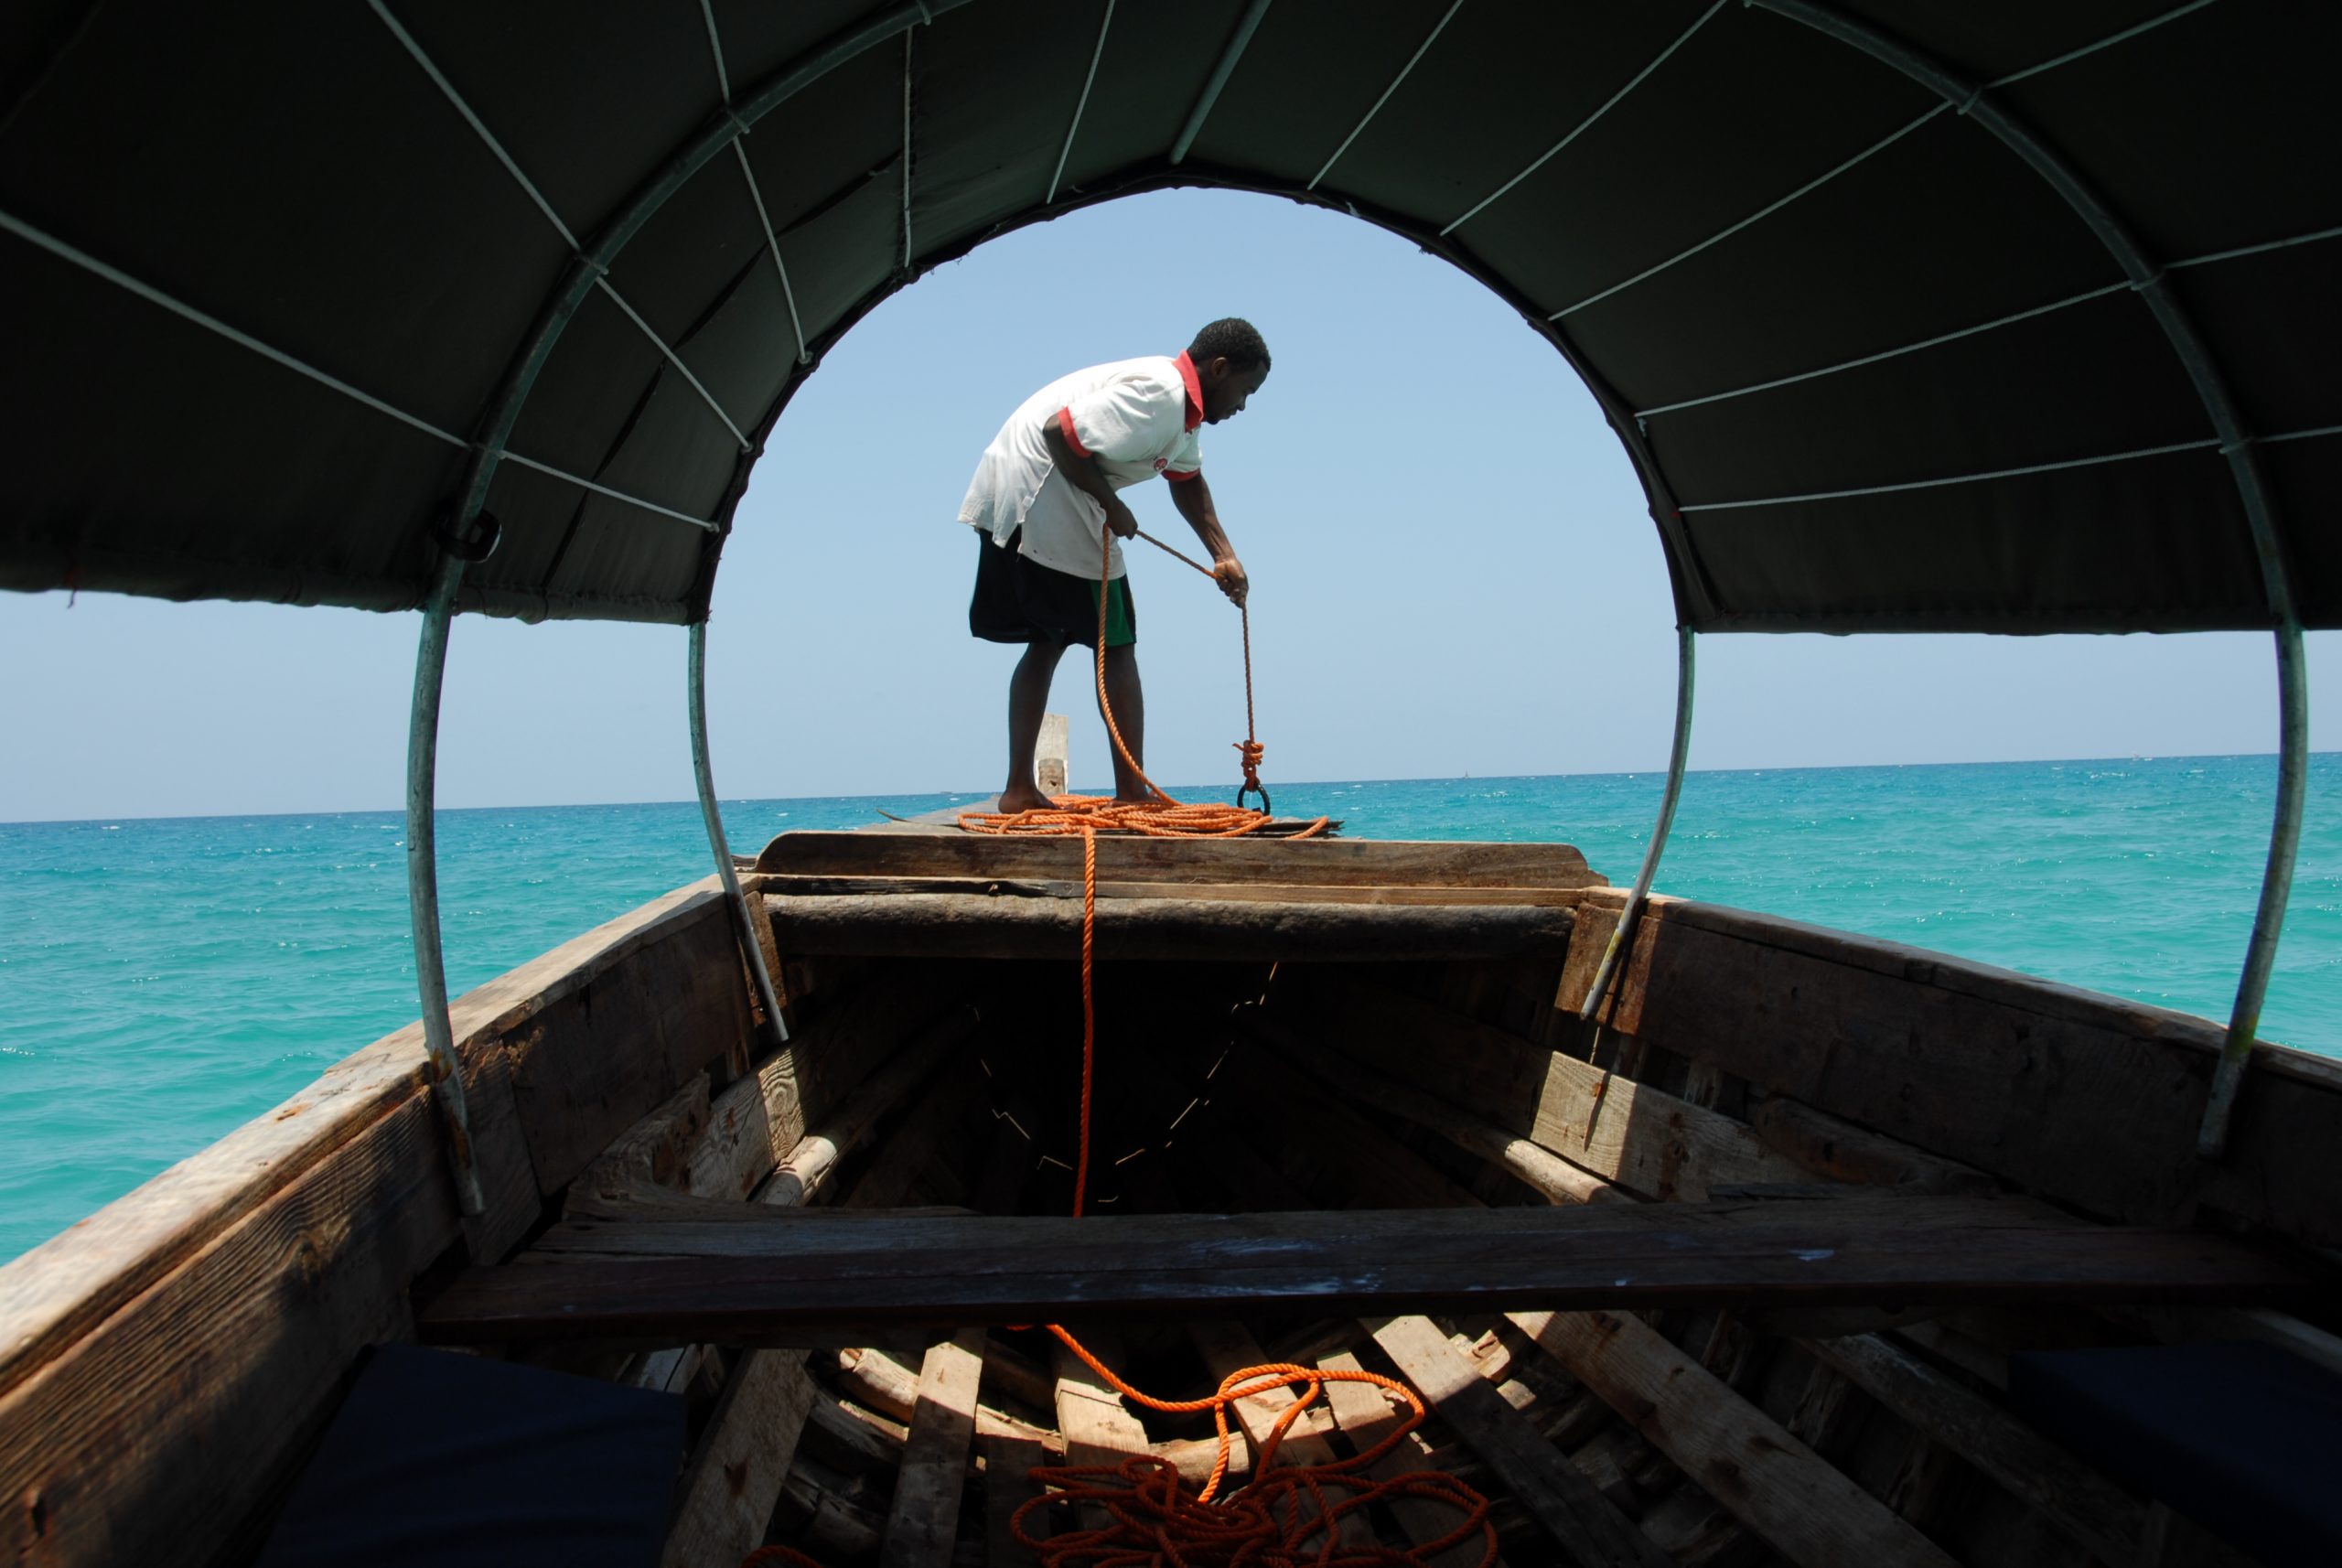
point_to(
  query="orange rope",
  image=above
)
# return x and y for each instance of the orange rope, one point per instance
(1286, 1516)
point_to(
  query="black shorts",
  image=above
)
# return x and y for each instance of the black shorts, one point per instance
(1017, 599)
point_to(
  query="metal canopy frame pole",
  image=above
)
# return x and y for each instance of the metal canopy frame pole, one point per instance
(1081, 104)
(1622, 935)
(1246, 27)
(704, 773)
(2276, 890)
(423, 882)
(2235, 443)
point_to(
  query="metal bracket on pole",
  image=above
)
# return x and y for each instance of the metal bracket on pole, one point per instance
(423, 881)
(704, 773)
(2276, 888)
(1622, 934)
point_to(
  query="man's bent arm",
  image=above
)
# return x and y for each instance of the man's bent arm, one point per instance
(1082, 469)
(1192, 496)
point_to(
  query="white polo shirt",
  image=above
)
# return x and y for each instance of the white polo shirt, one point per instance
(1137, 417)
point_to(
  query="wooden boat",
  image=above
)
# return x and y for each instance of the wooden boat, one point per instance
(1736, 1278)
(1704, 1236)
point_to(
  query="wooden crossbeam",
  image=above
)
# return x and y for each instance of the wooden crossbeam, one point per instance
(924, 1522)
(662, 1278)
(976, 925)
(1338, 862)
(1555, 1492)
(1795, 1500)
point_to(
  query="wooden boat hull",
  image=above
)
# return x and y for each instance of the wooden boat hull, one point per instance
(1325, 1043)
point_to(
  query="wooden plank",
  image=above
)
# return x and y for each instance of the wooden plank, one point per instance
(673, 1279)
(1553, 1178)
(2083, 1505)
(1097, 1429)
(1833, 1147)
(2091, 1100)
(587, 1067)
(1775, 1485)
(1228, 1347)
(1366, 1418)
(736, 1473)
(1653, 1143)
(653, 1153)
(924, 1519)
(1541, 1477)
(1009, 1464)
(818, 1153)
(961, 924)
(1271, 892)
(1340, 862)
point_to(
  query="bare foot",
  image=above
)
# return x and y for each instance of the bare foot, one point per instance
(1138, 800)
(1026, 799)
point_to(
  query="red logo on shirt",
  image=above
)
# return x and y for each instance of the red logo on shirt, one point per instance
(1161, 464)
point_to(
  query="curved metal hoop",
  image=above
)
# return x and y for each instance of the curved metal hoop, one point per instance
(2235, 443)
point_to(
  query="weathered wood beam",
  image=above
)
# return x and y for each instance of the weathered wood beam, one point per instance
(737, 1281)
(735, 1473)
(1552, 1177)
(1250, 892)
(924, 1522)
(2091, 1100)
(1097, 1429)
(1833, 1147)
(1777, 1487)
(1336, 862)
(1228, 1347)
(1359, 1161)
(817, 1155)
(875, 1379)
(1656, 1145)
(961, 925)
(653, 1153)
(2082, 1504)
(755, 1123)
(1541, 1477)
(1365, 1418)
(1009, 1464)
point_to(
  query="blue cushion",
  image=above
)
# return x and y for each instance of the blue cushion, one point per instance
(459, 1460)
(2243, 1439)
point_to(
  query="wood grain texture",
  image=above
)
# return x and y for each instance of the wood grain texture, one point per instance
(1009, 1464)
(588, 1066)
(963, 925)
(924, 1522)
(1775, 1485)
(734, 1475)
(665, 1280)
(2083, 1504)
(1540, 1476)
(2088, 1099)
(1229, 1347)
(1097, 1429)
(1652, 1143)
(1365, 1418)
(1337, 862)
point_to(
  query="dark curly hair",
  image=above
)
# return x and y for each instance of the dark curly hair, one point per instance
(1233, 338)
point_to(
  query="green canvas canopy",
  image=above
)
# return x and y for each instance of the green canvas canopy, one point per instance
(1911, 314)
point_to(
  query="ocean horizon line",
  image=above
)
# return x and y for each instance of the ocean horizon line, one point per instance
(1286, 784)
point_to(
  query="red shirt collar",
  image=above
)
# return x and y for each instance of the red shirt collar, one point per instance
(1195, 389)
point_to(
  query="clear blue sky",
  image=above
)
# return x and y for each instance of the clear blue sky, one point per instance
(1453, 572)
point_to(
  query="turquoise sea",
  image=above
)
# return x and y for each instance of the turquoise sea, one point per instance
(162, 980)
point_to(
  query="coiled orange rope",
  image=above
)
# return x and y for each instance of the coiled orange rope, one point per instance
(1285, 1516)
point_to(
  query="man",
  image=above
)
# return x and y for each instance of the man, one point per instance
(1044, 496)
